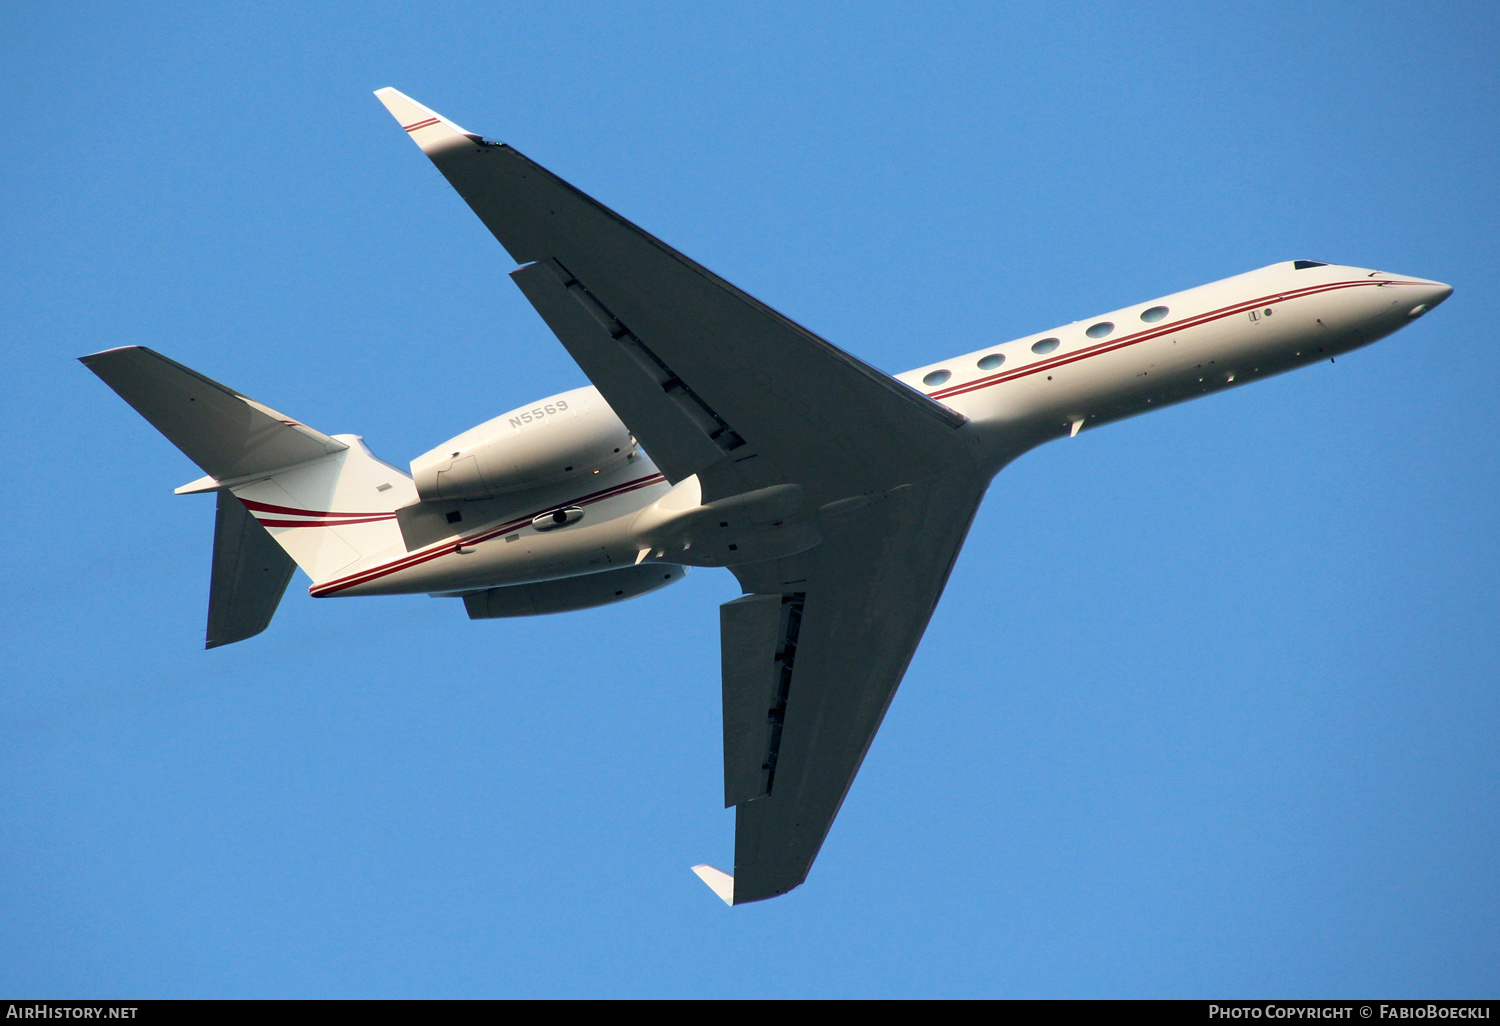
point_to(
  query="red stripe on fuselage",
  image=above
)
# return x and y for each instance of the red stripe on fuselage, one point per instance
(1145, 336)
(318, 523)
(446, 547)
(266, 507)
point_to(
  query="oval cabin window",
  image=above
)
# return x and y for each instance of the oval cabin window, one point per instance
(1100, 330)
(1046, 345)
(937, 377)
(992, 361)
(1154, 314)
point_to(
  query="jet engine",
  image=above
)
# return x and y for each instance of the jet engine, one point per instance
(567, 435)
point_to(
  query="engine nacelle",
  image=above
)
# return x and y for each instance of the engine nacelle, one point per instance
(571, 593)
(571, 434)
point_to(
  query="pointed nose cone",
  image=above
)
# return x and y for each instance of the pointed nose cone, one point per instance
(1432, 293)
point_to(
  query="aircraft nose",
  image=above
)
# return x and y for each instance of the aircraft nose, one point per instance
(1432, 293)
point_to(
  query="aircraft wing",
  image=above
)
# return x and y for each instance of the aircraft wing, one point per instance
(812, 659)
(709, 380)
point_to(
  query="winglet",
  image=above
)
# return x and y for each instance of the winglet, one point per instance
(720, 882)
(203, 484)
(429, 129)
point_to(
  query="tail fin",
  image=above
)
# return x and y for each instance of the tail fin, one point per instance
(328, 502)
(250, 574)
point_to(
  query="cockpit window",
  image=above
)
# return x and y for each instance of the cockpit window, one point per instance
(1302, 265)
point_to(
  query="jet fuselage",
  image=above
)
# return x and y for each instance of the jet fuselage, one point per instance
(1016, 396)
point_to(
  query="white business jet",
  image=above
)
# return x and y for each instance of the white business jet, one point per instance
(717, 433)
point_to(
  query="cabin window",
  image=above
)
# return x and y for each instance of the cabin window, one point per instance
(937, 377)
(1302, 265)
(1046, 345)
(1100, 330)
(992, 361)
(1154, 314)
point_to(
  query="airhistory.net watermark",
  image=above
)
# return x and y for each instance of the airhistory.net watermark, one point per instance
(42, 1010)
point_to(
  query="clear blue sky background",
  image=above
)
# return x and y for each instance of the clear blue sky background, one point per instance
(1210, 706)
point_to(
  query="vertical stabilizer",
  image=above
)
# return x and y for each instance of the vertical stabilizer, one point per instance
(250, 575)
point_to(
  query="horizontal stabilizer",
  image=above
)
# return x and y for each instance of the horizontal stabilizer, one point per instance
(720, 882)
(227, 434)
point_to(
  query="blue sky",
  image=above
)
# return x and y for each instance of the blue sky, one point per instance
(1210, 706)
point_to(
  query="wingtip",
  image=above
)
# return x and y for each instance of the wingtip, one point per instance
(88, 358)
(720, 882)
(428, 129)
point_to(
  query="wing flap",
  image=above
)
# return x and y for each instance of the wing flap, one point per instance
(757, 644)
(678, 445)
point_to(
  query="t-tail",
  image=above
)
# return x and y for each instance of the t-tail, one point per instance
(288, 495)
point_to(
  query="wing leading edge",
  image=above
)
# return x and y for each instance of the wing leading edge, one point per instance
(715, 383)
